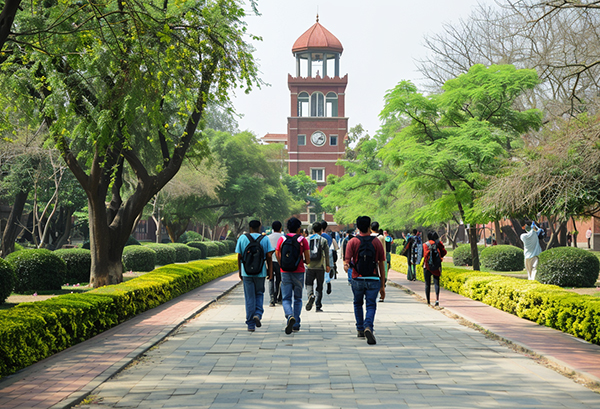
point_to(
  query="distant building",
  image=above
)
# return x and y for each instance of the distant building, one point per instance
(317, 126)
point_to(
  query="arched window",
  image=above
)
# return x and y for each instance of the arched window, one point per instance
(317, 104)
(303, 104)
(331, 104)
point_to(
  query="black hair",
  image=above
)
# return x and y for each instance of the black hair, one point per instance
(375, 226)
(254, 224)
(432, 236)
(323, 225)
(276, 225)
(293, 224)
(415, 231)
(316, 227)
(363, 223)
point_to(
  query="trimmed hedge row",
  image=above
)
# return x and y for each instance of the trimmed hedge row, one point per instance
(31, 332)
(7, 279)
(182, 252)
(165, 254)
(37, 269)
(79, 264)
(502, 258)
(548, 305)
(139, 258)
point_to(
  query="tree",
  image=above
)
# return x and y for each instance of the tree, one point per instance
(119, 84)
(457, 139)
(303, 189)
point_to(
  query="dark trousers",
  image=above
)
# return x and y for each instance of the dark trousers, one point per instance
(436, 282)
(313, 274)
(275, 284)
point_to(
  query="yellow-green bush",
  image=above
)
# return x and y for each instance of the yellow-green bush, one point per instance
(30, 332)
(544, 304)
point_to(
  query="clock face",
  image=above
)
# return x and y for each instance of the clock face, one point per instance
(318, 138)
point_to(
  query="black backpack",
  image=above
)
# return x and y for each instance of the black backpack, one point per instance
(253, 258)
(316, 251)
(365, 264)
(434, 261)
(290, 253)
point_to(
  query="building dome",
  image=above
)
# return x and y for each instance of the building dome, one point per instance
(317, 37)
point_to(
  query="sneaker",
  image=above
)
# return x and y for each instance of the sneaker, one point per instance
(437, 304)
(272, 304)
(251, 330)
(319, 309)
(290, 325)
(309, 303)
(295, 329)
(360, 334)
(370, 337)
(328, 288)
(257, 321)
(381, 300)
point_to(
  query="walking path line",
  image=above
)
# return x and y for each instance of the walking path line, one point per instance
(565, 350)
(64, 379)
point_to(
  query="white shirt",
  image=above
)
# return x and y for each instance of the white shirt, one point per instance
(531, 243)
(273, 238)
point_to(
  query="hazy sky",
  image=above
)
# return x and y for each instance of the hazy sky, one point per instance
(381, 40)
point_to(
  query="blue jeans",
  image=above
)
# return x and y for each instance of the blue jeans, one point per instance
(365, 291)
(254, 293)
(291, 285)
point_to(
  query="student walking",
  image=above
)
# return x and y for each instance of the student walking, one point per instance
(333, 248)
(433, 253)
(317, 268)
(349, 235)
(252, 252)
(415, 254)
(366, 258)
(292, 253)
(275, 282)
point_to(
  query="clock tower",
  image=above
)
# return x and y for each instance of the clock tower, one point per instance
(317, 126)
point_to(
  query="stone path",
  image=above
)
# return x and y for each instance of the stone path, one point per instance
(422, 359)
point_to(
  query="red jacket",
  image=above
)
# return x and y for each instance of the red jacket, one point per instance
(441, 250)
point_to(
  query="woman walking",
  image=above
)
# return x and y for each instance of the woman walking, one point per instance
(433, 253)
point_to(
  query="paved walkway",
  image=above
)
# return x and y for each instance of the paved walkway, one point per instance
(422, 359)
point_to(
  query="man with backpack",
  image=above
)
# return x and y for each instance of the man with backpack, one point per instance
(433, 253)
(317, 267)
(292, 252)
(333, 248)
(253, 250)
(349, 235)
(365, 256)
(275, 282)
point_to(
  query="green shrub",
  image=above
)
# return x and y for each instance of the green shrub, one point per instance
(18, 247)
(189, 236)
(231, 245)
(139, 258)
(7, 279)
(212, 249)
(195, 253)
(31, 332)
(165, 254)
(502, 258)
(548, 305)
(37, 270)
(568, 267)
(223, 247)
(461, 256)
(79, 264)
(183, 252)
(200, 245)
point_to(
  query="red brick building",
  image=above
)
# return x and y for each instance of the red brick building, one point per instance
(317, 125)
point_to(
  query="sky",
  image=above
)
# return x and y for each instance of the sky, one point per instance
(382, 40)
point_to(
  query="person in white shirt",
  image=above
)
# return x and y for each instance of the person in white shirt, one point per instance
(532, 248)
(275, 281)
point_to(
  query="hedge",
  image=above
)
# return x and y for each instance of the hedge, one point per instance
(223, 247)
(195, 254)
(182, 251)
(37, 270)
(212, 249)
(190, 236)
(548, 305)
(201, 245)
(503, 258)
(139, 258)
(79, 264)
(165, 254)
(461, 256)
(31, 332)
(231, 245)
(568, 267)
(7, 279)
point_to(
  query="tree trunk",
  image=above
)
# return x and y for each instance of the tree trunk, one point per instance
(67, 220)
(574, 232)
(12, 229)
(473, 242)
(497, 231)
(554, 238)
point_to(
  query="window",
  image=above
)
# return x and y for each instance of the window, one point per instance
(317, 104)
(317, 174)
(313, 218)
(301, 140)
(333, 140)
(303, 104)
(331, 104)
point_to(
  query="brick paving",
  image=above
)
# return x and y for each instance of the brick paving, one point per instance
(422, 359)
